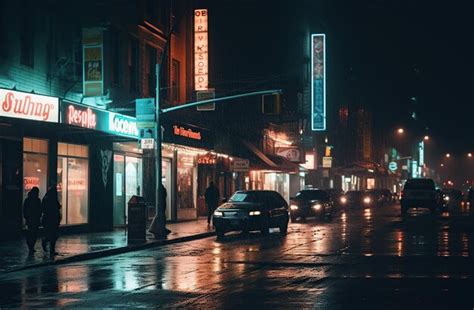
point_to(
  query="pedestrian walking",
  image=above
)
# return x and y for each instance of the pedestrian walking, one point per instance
(51, 219)
(32, 215)
(212, 200)
(163, 196)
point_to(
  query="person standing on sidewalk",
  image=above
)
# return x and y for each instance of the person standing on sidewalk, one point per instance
(32, 215)
(212, 200)
(163, 196)
(51, 219)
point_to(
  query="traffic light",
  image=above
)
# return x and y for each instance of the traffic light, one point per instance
(271, 104)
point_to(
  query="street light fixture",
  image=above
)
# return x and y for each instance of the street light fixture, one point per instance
(401, 130)
(469, 154)
(426, 138)
(448, 155)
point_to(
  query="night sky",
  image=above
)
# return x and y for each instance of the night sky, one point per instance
(389, 51)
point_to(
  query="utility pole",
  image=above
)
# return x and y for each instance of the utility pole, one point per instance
(157, 226)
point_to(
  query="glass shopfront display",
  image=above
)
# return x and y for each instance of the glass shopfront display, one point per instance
(73, 183)
(35, 165)
(186, 175)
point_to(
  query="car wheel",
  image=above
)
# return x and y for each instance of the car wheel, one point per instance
(220, 233)
(284, 228)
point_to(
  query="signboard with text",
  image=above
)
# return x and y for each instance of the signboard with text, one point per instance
(240, 165)
(93, 66)
(97, 119)
(327, 162)
(33, 107)
(318, 82)
(201, 63)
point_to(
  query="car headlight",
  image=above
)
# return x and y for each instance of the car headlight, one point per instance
(218, 213)
(254, 213)
(294, 207)
(367, 199)
(446, 198)
(343, 199)
(317, 206)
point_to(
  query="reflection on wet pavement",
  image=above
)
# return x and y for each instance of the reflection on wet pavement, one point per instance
(362, 257)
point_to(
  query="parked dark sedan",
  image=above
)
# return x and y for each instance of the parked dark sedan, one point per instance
(357, 199)
(309, 203)
(252, 210)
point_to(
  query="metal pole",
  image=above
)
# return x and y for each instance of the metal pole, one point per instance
(157, 226)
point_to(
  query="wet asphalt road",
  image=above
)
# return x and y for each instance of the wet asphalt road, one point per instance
(370, 259)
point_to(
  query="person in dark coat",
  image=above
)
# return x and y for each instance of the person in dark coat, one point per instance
(212, 200)
(51, 219)
(32, 215)
(163, 196)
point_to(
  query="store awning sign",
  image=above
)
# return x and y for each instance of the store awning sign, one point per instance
(86, 117)
(327, 162)
(240, 165)
(34, 107)
(318, 82)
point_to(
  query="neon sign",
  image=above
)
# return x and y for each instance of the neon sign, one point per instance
(318, 82)
(80, 117)
(200, 50)
(187, 133)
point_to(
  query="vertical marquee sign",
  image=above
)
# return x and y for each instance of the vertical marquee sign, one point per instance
(318, 82)
(200, 50)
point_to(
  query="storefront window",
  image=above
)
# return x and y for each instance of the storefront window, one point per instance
(35, 165)
(73, 183)
(185, 181)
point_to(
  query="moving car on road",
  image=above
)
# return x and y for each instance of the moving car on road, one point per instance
(252, 210)
(452, 196)
(311, 203)
(356, 199)
(419, 193)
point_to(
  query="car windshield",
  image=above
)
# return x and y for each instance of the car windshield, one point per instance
(312, 195)
(420, 185)
(246, 197)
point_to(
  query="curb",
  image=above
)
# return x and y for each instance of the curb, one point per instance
(115, 251)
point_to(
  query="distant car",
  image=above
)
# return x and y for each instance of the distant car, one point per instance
(356, 199)
(453, 197)
(335, 195)
(311, 203)
(252, 210)
(419, 193)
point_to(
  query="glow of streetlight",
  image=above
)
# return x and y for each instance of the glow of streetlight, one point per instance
(426, 138)
(448, 155)
(400, 130)
(442, 165)
(469, 154)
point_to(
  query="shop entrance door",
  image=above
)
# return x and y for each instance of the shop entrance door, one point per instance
(119, 189)
(166, 180)
(128, 181)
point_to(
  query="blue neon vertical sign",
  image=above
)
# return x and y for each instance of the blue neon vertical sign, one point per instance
(318, 82)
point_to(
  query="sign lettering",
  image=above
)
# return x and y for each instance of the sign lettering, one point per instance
(187, 133)
(200, 49)
(29, 106)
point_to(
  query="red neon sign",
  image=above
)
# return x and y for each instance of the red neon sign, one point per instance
(83, 118)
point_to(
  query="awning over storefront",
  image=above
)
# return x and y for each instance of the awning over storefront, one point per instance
(261, 161)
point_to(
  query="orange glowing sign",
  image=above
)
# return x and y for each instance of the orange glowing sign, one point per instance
(187, 133)
(200, 50)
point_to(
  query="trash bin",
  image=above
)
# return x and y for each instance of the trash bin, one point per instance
(136, 228)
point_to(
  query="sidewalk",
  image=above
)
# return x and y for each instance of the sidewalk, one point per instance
(92, 245)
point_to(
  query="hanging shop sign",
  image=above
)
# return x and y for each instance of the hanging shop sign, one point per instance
(97, 119)
(240, 165)
(393, 166)
(201, 63)
(327, 162)
(293, 154)
(29, 106)
(93, 65)
(318, 82)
